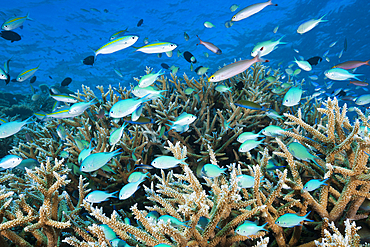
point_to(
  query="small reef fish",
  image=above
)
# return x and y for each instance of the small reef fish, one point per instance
(166, 162)
(3, 74)
(61, 131)
(149, 91)
(351, 64)
(363, 99)
(186, 36)
(201, 70)
(116, 135)
(208, 24)
(173, 221)
(290, 220)
(157, 47)
(313, 184)
(306, 66)
(249, 228)
(15, 22)
(149, 79)
(66, 81)
(63, 98)
(84, 153)
(314, 60)
(10, 35)
(276, 29)
(338, 74)
(210, 46)
(89, 60)
(251, 10)
(129, 189)
(118, 243)
(27, 73)
(126, 107)
(108, 232)
(118, 34)
(313, 77)
(245, 181)
(79, 108)
(247, 136)
(249, 145)
(223, 88)
(98, 196)
(189, 90)
(117, 45)
(309, 25)
(140, 23)
(234, 69)
(96, 161)
(234, 7)
(184, 119)
(268, 46)
(272, 131)
(273, 114)
(189, 57)
(10, 161)
(249, 105)
(300, 152)
(212, 171)
(11, 128)
(136, 176)
(152, 217)
(292, 97)
(140, 120)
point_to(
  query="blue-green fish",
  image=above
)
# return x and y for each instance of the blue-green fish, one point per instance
(136, 176)
(79, 108)
(140, 120)
(10, 161)
(27, 73)
(118, 243)
(97, 160)
(249, 228)
(61, 131)
(149, 79)
(117, 44)
(249, 145)
(116, 135)
(339, 74)
(165, 162)
(268, 47)
(108, 232)
(272, 130)
(84, 153)
(245, 181)
(129, 189)
(313, 184)
(222, 88)
(118, 34)
(300, 152)
(11, 128)
(14, 22)
(152, 217)
(248, 136)
(212, 171)
(157, 47)
(126, 107)
(272, 165)
(290, 220)
(292, 97)
(306, 66)
(173, 221)
(363, 99)
(3, 74)
(150, 92)
(309, 25)
(98, 196)
(273, 114)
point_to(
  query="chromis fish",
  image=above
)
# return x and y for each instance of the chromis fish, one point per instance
(300, 152)
(338, 74)
(157, 47)
(173, 221)
(27, 73)
(184, 119)
(11, 128)
(97, 160)
(272, 130)
(149, 79)
(249, 145)
(129, 189)
(212, 171)
(351, 64)
(79, 108)
(152, 217)
(292, 97)
(363, 99)
(149, 91)
(268, 46)
(245, 181)
(222, 88)
(189, 90)
(118, 34)
(10, 161)
(306, 66)
(136, 176)
(15, 22)
(108, 232)
(202, 70)
(210, 46)
(248, 136)
(186, 36)
(234, 7)
(117, 45)
(233, 69)
(251, 10)
(126, 107)
(290, 220)
(309, 25)
(98, 196)
(313, 184)
(61, 131)
(165, 162)
(84, 153)
(208, 24)
(118, 243)
(249, 105)
(249, 228)
(273, 114)
(116, 135)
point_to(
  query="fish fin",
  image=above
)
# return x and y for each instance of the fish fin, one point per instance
(307, 216)
(136, 114)
(321, 20)
(28, 17)
(271, 3)
(367, 62)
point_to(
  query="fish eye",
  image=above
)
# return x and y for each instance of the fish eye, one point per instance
(132, 37)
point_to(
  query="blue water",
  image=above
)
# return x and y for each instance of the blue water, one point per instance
(63, 33)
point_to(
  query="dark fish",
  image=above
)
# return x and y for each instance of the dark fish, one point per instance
(345, 44)
(10, 35)
(140, 23)
(196, 70)
(50, 77)
(89, 60)
(14, 80)
(249, 105)
(189, 57)
(66, 82)
(142, 166)
(165, 66)
(7, 80)
(339, 93)
(33, 79)
(240, 85)
(314, 60)
(106, 11)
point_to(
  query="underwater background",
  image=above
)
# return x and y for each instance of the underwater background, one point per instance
(273, 155)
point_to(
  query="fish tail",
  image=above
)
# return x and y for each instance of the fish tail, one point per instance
(367, 62)
(160, 72)
(307, 216)
(27, 121)
(28, 17)
(356, 76)
(321, 19)
(200, 41)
